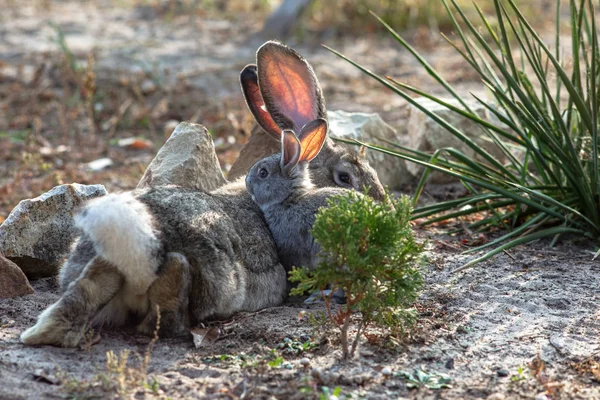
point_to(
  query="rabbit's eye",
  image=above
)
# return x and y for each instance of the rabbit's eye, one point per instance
(345, 178)
(263, 173)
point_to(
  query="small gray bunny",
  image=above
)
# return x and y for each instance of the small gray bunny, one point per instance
(281, 186)
(196, 255)
(288, 99)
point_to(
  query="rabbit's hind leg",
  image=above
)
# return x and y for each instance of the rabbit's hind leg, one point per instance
(169, 296)
(82, 253)
(65, 322)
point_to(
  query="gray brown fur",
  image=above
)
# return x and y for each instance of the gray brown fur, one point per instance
(289, 202)
(331, 161)
(233, 266)
(150, 242)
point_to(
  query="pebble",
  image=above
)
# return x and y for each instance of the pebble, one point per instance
(304, 337)
(315, 373)
(391, 384)
(502, 373)
(464, 344)
(148, 86)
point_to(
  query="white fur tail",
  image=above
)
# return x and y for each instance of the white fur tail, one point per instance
(123, 233)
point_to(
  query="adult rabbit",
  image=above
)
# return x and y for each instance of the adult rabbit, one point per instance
(196, 255)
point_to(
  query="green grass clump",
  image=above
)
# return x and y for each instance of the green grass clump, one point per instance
(369, 251)
(350, 16)
(547, 103)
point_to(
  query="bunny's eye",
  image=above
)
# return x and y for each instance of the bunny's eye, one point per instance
(345, 178)
(263, 173)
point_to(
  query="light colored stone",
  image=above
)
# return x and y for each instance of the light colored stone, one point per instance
(99, 164)
(187, 159)
(38, 232)
(148, 86)
(368, 128)
(13, 282)
(427, 135)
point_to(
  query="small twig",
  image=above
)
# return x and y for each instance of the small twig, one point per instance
(448, 245)
(362, 325)
(241, 317)
(116, 119)
(344, 336)
(510, 255)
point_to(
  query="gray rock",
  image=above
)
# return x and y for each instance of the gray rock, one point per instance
(187, 159)
(38, 233)
(427, 135)
(13, 282)
(392, 171)
(572, 345)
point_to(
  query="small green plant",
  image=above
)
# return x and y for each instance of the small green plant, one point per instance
(421, 378)
(544, 180)
(327, 393)
(64, 47)
(296, 347)
(276, 362)
(369, 251)
(519, 375)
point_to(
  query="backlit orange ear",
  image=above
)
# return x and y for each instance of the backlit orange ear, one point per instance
(312, 138)
(289, 87)
(254, 100)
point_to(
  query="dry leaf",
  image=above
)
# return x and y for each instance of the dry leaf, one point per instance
(205, 336)
(39, 375)
(301, 315)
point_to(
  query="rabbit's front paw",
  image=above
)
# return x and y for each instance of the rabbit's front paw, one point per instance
(338, 296)
(52, 328)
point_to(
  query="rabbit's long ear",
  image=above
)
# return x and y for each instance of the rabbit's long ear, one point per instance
(312, 137)
(289, 86)
(290, 151)
(254, 100)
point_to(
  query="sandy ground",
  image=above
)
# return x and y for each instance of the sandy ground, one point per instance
(485, 329)
(523, 325)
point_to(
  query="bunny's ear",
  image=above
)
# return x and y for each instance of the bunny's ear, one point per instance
(254, 100)
(290, 151)
(312, 137)
(289, 86)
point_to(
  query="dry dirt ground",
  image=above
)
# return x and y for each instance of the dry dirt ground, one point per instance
(523, 325)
